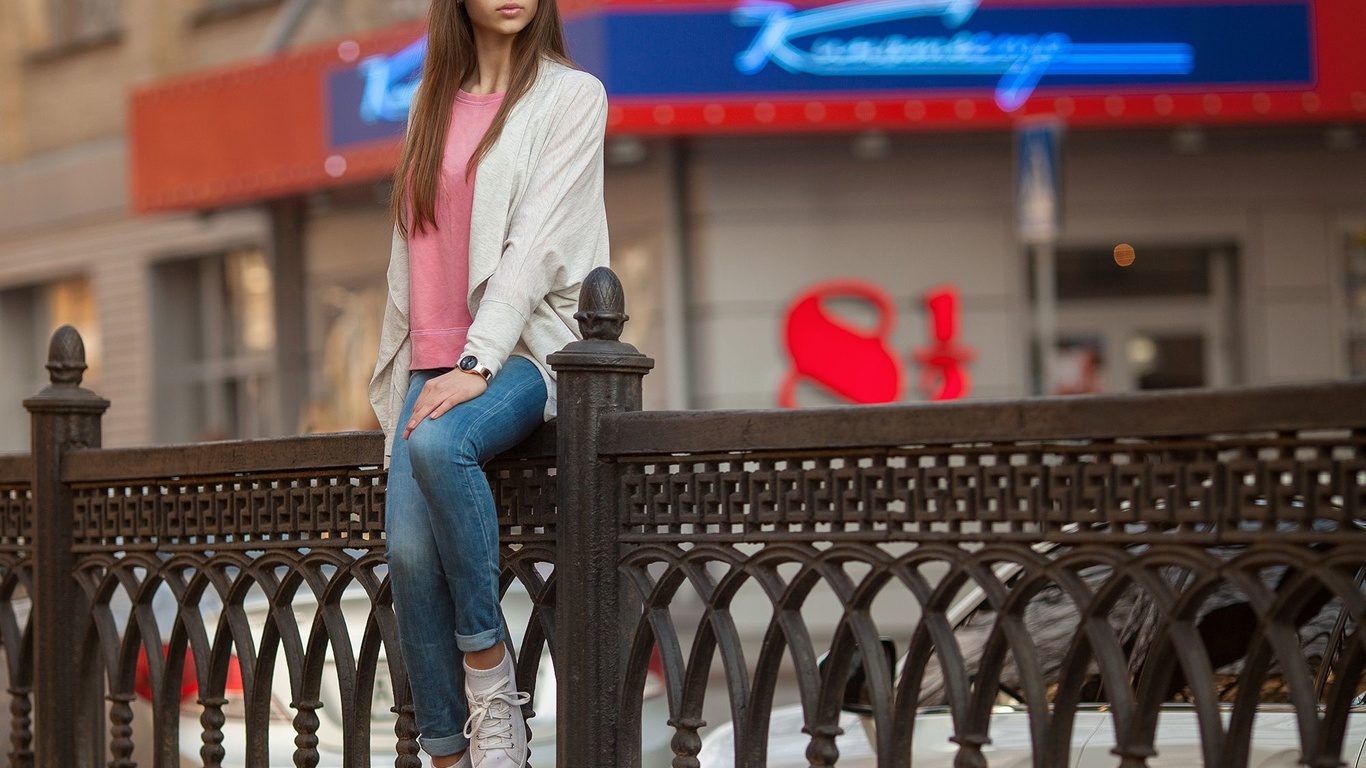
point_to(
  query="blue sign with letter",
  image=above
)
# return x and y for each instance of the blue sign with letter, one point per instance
(370, 102)
(769, 48)
(915, 45)
(1020, 60)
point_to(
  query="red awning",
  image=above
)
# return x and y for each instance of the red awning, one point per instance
(251, 131)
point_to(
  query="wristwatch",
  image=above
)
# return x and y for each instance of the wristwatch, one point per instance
(470, 364)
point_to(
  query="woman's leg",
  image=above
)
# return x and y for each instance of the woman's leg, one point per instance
(446, 456)
(454, 542)
(422, 603)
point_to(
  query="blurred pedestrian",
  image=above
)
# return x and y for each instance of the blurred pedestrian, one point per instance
(499, 216)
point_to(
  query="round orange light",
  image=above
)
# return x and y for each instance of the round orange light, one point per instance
(1124, 254)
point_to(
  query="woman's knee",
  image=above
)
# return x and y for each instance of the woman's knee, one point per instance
(410, 552)
(435, 449)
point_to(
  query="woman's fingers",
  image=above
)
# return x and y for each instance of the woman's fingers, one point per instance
(468, 386)
(442, 394)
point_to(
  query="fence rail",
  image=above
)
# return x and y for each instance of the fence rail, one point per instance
(1043, 580)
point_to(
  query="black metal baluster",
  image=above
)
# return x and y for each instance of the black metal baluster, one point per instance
(21, 727)
(306, 726)
(212, 720)
(121, 730)
(405, 728)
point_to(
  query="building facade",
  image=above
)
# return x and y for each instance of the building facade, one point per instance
(220, 235)
(176, 308)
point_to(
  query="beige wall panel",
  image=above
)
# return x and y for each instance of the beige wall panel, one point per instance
(350, 245)
(232, 38)
(638, 199)
(330, 20)
(820, 175)
(1097, 224)
(637, 195)
(124, 301)
(963, 176)
(767, 261)
(346, 253)
(1297, 252)
(12, 23)
(226, 40)
(743, 360)
(762, 263)
(1000, 364)
(76, 98)
(1118, 170)
(87, 180)
(1300, 345)
(912, 254)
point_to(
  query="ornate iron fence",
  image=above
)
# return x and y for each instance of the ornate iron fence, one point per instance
(1036, 578)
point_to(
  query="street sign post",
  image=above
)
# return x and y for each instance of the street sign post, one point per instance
(1038, 215)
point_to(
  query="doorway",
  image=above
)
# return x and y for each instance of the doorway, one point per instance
(1167, 320)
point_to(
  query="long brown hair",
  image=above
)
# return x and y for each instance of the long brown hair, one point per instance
(450, 61)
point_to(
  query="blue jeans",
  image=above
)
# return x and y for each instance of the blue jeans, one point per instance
(441, 529)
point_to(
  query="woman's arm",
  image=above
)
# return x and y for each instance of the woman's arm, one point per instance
(554, 229)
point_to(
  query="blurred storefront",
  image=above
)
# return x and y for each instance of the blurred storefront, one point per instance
(190, 318)
(757, 152)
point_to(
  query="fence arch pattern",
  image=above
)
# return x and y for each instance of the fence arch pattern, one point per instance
(1209, 578)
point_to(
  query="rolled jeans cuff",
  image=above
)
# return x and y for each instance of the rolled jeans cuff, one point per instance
(442, 746)
(482, 641)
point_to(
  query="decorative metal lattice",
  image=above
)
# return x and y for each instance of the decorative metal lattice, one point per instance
(1099, 583)
(1218, 488)
(262, 596)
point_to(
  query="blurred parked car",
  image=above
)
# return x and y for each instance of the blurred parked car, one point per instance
(1052, 621)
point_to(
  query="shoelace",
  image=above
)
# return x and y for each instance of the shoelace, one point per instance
(490, 721)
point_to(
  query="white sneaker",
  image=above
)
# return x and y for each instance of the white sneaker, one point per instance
(496, 730)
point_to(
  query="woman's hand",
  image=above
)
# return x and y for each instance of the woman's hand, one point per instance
(444, 393)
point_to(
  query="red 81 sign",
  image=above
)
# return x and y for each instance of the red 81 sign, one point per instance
(857, 363)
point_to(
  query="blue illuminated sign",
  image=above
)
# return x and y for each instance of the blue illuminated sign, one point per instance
(769, 49)
(1020, 59)
(390, 82)
(370, 102)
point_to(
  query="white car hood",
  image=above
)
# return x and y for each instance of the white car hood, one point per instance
(1276, 741)
(930, 743)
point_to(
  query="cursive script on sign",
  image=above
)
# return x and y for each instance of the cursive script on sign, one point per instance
(1020, 59)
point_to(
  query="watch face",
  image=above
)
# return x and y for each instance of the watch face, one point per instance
(468, 362)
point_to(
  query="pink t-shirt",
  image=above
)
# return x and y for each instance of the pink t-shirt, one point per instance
(439, 259)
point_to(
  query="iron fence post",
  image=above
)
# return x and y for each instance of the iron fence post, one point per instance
(65, 416)
(596, 376)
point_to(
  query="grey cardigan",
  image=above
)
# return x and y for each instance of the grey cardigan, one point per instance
(538, 227)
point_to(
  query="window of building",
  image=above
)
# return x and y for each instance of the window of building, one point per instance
(215, 344)
(58, 24)
(1356, 305)
(28, 316)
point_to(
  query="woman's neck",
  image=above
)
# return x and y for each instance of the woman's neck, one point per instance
(493, 67)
